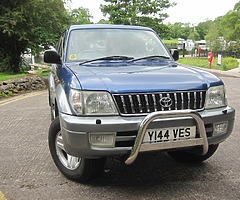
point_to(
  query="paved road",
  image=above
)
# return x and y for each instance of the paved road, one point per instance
(27, 171)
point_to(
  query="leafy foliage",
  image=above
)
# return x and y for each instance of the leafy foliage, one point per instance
(180, 30)
(138, 12)
(231, 24)
(203, 28)
(229, 63)
(213, 40)
(227, 27)
(81, 16)
(6, 94)
(29, 23)
(103, 21)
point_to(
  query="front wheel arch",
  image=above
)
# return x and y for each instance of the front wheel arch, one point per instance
(54, 110)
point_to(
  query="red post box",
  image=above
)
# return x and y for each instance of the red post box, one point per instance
(210, 58)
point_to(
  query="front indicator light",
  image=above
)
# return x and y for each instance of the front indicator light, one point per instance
(102, 140)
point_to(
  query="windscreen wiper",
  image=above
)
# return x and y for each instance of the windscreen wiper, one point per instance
(153, 57)
(108, 58)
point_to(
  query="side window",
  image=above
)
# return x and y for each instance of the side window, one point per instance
(63, 44)
(60, 45)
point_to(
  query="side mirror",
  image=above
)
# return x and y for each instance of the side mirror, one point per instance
(175, 54)
(51, 57)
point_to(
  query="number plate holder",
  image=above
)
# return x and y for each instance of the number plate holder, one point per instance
(169, 134)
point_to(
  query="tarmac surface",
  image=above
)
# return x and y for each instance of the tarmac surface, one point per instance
(28, 172)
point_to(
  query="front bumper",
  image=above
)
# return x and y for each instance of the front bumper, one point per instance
(76, 130)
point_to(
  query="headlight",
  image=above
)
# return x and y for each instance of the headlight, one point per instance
(92, 103)
(215, 97)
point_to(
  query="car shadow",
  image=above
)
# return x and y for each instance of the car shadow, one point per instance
(151, 169)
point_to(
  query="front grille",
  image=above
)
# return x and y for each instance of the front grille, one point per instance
(150, 102)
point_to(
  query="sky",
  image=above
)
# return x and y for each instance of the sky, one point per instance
(186, 11)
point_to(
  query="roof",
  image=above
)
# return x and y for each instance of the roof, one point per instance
(107, 26)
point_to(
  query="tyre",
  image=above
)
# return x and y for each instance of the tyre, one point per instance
(187, 157)
(74, 168)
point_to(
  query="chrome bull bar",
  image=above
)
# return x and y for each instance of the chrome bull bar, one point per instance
(141, 147)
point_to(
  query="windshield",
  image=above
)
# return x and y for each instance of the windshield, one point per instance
(89, 44)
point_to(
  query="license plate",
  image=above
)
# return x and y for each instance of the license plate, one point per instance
(169, 134)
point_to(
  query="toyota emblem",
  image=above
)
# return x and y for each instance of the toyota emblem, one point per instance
(165, 102)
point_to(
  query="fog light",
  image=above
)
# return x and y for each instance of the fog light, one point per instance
(102, 139)
(220, 128)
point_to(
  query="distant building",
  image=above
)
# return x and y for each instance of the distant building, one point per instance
(223, 43)
(189, 44)
(201, 44)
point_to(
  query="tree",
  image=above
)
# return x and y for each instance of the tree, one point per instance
(213, 38)
(81, 16)
(138, 12)
(203, 27)
(194, 35)
(180, 30)
(28, 24)
(227, 27)
(231, 24)
(104, 21)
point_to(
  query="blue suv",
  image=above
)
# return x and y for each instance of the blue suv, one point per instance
(117, 91)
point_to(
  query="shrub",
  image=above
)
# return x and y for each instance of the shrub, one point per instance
(229, 63)
(4, 63)
(6, 94)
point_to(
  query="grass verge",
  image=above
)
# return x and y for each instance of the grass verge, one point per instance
(228, 63)
(43, 72)
(6, 75)
(173, 41)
